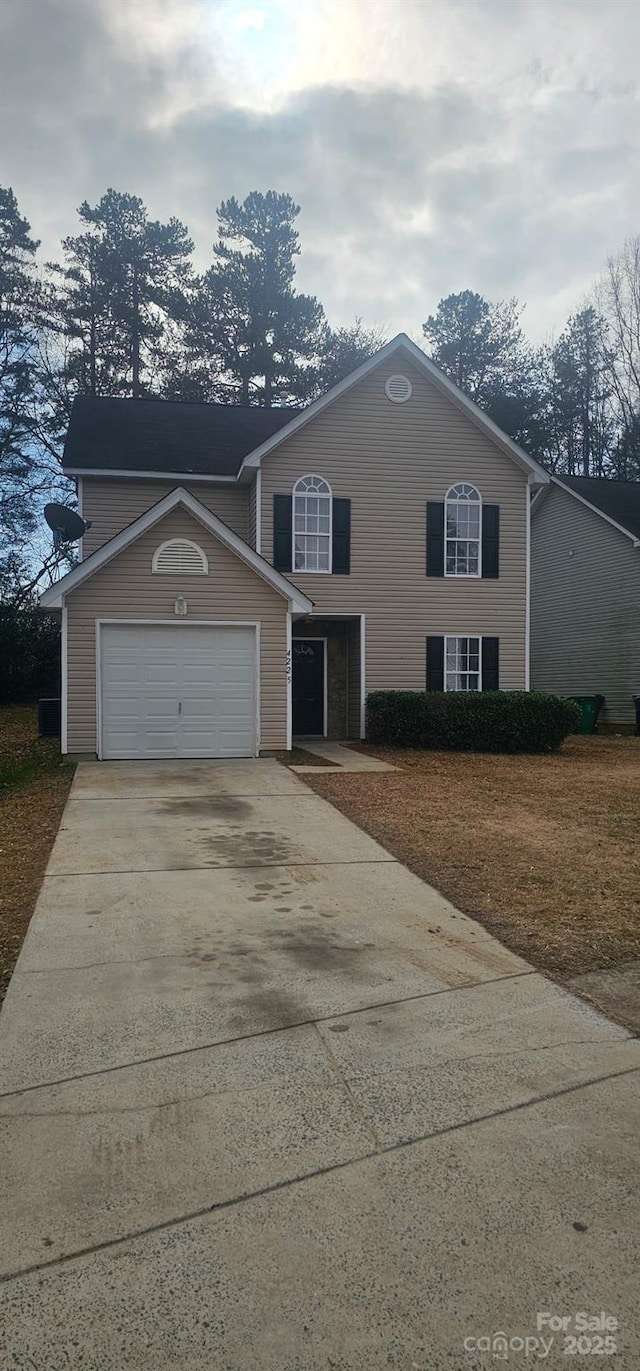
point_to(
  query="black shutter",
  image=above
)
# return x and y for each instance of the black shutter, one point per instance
(435, 538)
(282, 533)
(490, 541)
(490, 664)
(435, 663)
(341, 539)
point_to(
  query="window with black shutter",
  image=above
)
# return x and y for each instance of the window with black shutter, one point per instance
(282, 533)
(341, 538)
(490, 663)
(435, 663)
(490, 542)
(435, 538)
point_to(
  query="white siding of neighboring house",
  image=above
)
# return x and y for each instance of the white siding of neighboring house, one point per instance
(585, 605)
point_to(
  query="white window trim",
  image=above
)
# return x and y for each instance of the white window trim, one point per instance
(454, 637)
(309, 571)
(64, 682)
(463, 575)
(184, 571)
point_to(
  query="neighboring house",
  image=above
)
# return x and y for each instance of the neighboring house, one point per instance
(251, 574)
(585, 592)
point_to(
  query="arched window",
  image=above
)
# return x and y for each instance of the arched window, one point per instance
(179, 557)
(462, 519)
(311, 524)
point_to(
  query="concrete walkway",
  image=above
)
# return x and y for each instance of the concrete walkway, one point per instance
(268, 1101)
(347, 758)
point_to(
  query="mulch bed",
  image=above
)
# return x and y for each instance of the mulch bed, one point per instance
(542, 850)
(34, 784)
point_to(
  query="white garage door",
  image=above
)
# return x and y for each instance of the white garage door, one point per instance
(177, 690)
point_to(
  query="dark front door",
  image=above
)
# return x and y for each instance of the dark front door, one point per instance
(308, 685)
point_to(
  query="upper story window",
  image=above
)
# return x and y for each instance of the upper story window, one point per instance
(311, 524)
(462, 522)
(179, 557)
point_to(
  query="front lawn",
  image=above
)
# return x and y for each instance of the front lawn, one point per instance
(542, 850)
(34, 784)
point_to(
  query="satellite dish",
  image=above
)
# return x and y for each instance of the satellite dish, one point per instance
(65, 524)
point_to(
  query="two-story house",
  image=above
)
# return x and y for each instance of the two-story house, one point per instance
(251, 574)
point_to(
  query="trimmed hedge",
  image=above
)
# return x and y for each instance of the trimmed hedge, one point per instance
(471, 721)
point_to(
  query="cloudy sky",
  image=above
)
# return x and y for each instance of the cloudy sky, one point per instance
(432, 144)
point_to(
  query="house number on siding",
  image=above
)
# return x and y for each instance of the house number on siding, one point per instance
(288, 665)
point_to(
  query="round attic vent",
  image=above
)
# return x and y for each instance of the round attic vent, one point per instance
(398, 389)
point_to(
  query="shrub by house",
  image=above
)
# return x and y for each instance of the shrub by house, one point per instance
(471, 721)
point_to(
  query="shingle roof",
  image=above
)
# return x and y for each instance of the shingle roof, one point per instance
(112, 434)
(619, 499)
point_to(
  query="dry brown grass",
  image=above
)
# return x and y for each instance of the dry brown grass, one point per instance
(544, 851)
(34, 785)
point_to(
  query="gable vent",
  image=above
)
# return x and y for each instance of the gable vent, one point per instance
(398, 388)
(179, 556)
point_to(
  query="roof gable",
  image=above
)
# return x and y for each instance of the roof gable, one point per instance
(616, 501)
(53, 598)
(402, 343)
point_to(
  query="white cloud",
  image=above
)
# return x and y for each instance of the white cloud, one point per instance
(432, 146)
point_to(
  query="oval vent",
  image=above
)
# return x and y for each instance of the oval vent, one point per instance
(179, 556)
(398, 388)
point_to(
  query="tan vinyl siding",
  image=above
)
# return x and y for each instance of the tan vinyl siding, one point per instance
(126, 589)
(585, 606)
(389, 460)
(111, 504)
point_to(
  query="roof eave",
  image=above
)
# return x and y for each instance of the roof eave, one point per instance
(155, 475)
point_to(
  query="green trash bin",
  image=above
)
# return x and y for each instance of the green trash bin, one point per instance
(590, 706)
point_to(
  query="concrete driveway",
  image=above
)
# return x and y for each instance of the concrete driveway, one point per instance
(268, 1101)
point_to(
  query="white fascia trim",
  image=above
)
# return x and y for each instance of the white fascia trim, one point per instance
(289, 675)
(64, 678)
(259, 511)
(149, 475)
(53, 598)
(435, 374)
(527, 603)
(607, 517)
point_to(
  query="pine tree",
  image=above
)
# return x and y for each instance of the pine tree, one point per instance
(477, 344)
(19, 477)
(252, 338)
(583, 419)
(121, 294)
(480, 345)
(346, 349)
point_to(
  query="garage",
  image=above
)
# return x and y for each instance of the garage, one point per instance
(177, 690)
